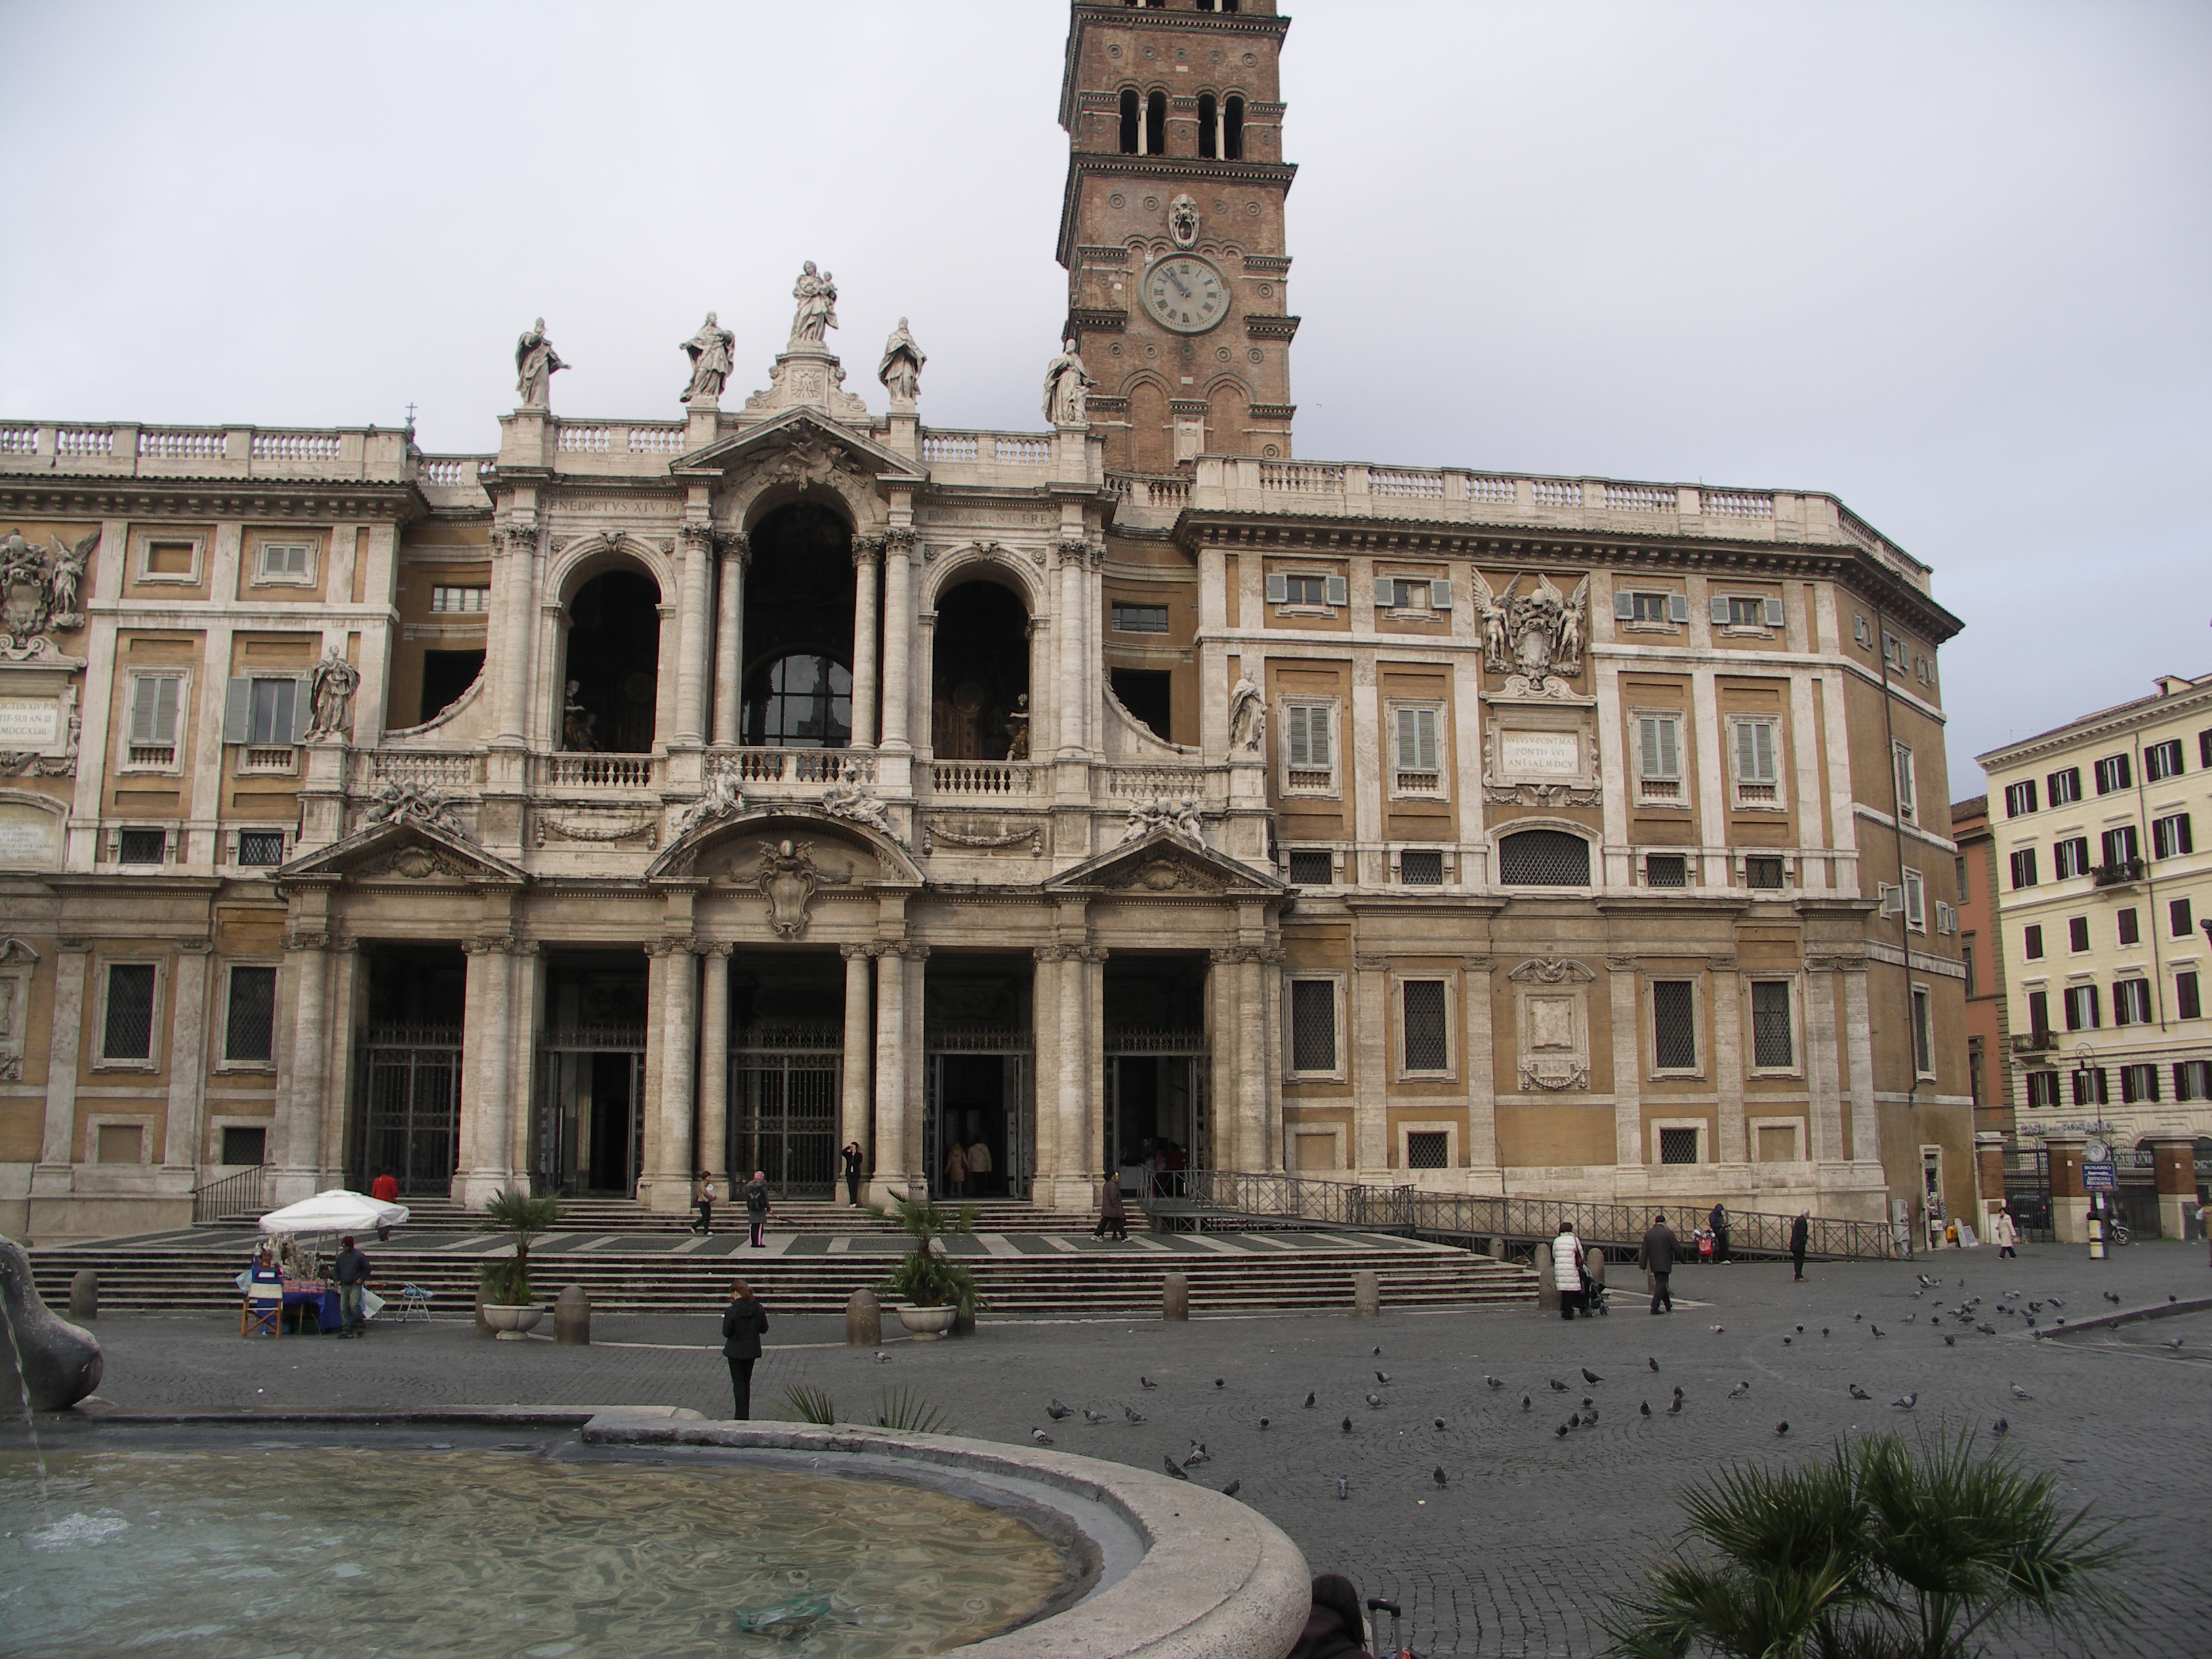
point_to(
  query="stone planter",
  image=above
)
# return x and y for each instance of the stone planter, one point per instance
(927, 1324)
(512, 1323)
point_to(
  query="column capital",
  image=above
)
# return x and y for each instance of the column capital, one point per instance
(1052, 952)
(1721, 965)
(667, 946)
(1475, 964)
(898, 543)
(197, 947)
(736, 547)
(712, 949)
(1367, 962)
(1621, 964)
(1075, 549)
(76, 943)
(856, 952)
(490, 945)
(310, 939)
(867, 550)
(696, 537)
(516, 536)
(1094, 953)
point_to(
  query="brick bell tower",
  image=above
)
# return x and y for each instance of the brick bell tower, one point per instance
(1171, 228)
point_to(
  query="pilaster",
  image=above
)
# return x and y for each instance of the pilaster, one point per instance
(180, 1142)
(1476, 992)
(1728, 1061)
(899, 636)
(694, 543)
(867, 573)
(892, 1170)
(1626, 987)
(715, 1065)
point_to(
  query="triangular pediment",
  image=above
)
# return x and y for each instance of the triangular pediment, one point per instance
(405, 849)
(1163, 863)
(806, 442)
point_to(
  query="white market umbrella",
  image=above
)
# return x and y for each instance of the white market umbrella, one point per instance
(334, 1212)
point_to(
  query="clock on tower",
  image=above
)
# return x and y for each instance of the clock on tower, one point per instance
(1171, 228)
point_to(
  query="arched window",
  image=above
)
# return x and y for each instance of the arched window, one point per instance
(1543, 858)
(1129, 121)
(1209, 113)
(803, 701)
(1232, 128)
(1156, 125)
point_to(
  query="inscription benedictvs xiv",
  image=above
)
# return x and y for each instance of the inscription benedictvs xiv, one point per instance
(1186, 294)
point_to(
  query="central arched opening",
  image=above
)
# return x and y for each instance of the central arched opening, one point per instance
(799, 631)
(979, 675)
(613, 675)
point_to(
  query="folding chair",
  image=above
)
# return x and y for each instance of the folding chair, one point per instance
(414, 1302)
(261, 1316)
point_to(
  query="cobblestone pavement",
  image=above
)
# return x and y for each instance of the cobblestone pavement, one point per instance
(1534, 1536)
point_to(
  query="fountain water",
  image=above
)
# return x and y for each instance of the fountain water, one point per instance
(30, 1418)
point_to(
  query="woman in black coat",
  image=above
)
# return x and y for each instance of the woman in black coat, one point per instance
(745, 1321)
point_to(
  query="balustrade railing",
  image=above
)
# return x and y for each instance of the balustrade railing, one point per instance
(576, 439)
(1735, 504)
(1639, 498)
(172, 444)
(446, 770)
(1293, 478)
(1500, 491)
(1167, 495)
(988, 778)
(1402, 481)
(1022, 452)
(1144, 782)
(656, 440)
(595, 771)
(949, 446)
(1555, 492)
(451, 471)
(19, 441)
(296, 446)
(84, 441)
(794, 765)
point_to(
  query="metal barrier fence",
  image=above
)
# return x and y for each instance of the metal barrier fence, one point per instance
(1518, 1221)
(245, 1192)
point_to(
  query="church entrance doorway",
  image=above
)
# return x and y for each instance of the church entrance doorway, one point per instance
(979, 1074)
(1158, 1123)
(407, 1076)
(785, 1082)
(589, 1133)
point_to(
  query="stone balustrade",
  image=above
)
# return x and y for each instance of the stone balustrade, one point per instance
(595, 773)
(446, 770)
(130, 449)
(774, 767)
(986, 780)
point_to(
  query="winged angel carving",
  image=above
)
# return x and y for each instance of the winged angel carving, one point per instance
(39, 586)
(1535, 639)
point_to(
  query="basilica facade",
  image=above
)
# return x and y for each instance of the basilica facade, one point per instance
(715, 791)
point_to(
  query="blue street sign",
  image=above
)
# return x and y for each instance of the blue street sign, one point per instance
(2100, 1178)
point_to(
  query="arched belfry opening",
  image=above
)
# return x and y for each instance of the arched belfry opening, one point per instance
(612, 675)
(799, 631)
(979, 674)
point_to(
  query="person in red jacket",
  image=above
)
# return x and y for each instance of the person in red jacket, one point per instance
(385, 1190)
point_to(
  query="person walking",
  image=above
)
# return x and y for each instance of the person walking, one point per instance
(703, 1196)
(351, 1270)
(1567, 1269)
(980, 1167)
(745, 1321)
(854, 1158)
(756, 1205)
(1113, 1212)
(1658, 1254)
(1800, 1233)
(955, 1172)
(1718, 1221)
(385, 1190)
(2007, 1233)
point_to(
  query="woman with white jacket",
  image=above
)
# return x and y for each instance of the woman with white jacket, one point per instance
(1567, 1269)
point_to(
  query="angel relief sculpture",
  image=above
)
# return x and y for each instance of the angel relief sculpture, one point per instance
(1534, 639)
(39, 586)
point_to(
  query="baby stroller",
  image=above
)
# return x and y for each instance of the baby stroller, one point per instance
(1594, 1298)
(1396, 1649)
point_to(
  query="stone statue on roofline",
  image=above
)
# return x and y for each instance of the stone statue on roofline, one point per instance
(900, 369)
(1067, 388)
(535, 364)
(816, 293)
(709, 351)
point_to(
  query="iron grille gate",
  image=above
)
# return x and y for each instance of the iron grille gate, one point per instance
(785, 1086)
(409, 1085)
(585, 1138)
(1017, 1075)
(1185, 1071)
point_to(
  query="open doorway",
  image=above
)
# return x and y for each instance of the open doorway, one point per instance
(590, 1132)
(613, 673)
(980, 678)
(1158, 1125)
(407, 1084)
(799, 631)
(978, 1086)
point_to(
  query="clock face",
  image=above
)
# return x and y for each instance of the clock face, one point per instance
(1186, 294)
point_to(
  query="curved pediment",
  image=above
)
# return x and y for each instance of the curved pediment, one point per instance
(405, 849)
(1164, 863)
(731, 847)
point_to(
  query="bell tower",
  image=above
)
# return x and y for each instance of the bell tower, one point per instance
(1172, 228)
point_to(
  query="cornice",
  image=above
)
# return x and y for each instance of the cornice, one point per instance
(1089, 14)
(1107, 164)
(2093, 729)
(345, 500)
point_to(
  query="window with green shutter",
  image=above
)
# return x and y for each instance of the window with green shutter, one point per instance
(1308, 753)
(1659, 757)
(1758, 769)
(1420, 763)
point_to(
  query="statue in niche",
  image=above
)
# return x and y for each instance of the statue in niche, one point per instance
(816, 293)
(1182, 223)
(1018, 729)
(577, 723)
(709, 351)
(330, 696)
(900, 369)
(535, 363)
(1247, 718)
(1067, 388)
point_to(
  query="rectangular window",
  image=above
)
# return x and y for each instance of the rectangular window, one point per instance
(1312, 866)
(2120, 846)
(2162, 760)
(1421, 867)
(242, 1145)
(1309, 755)
(1428, 1149)
(458, 600)
(2192, 1080)
(261, 849)
(284, 561)
(2091, 1087)
(1908, 793)
(1766, 871)
(2138, 1084)
(1742, 610)
(2019, 799)
(1284, 588)
(1663, 609)
(1966, 962)
(2114, 775)
(2170, 837)
(1140, 619)
(171, 561)
(2039, 1011)
(2188, 1001)
(249, 1028)
(2177, 918)
(2132, 1002)
(128, 1031)
(2077, 933)
(1673, 1025)
(1666, 870)
(2131, 931)
(1313, 1026)
(2065, 786)
(2204, 748)
(2031, 941)
(2023, 868)
(1659, 757)
(268, 711)
(1915, 901)
(1403, 592)
(2071, 858)
(142, 845)
(1758, 769)
(154, 699)
(2081, 1008)
(1419, 761)
(1773, 1040)
(2043, 1090)
(1923, 1031)
(1678, 1145)
(1426, 1047)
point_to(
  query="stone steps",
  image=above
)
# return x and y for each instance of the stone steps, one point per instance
(623, 1215)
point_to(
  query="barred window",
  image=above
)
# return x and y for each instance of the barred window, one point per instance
(249, 1024)
(142, 845)
(1313, 1026)
(1312, 866)
(1426, 1047)
(245, 1144)
(1773, 1042)
(1428, 1149)
(1763, 872)
(1666, 870)
(1678, 1145)
(1421, 867)
(1673, 1025)
(130, 1026)
(261, 848)
(1543, 858)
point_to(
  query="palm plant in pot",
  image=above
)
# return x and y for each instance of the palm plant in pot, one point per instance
(504, 1293)
(933, 1290)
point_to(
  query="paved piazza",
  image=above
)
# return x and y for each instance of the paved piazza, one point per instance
(1534, 1535)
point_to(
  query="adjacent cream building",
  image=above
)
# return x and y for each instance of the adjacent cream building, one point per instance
(711, 790)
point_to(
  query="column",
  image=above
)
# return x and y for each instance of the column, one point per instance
(1252, 1136)
(1627, 1066)
(898, 632)
(1067, 626)
(693, 543)
(714, 1066)
(917, 955)
(1727, 1062)
(65, 1056)
(730, 638)
(1071, 1125)
(512, 660)
(656, 1053)
(1045, 1079)
(867, 569)
(486, 1107)
(526, 998)
(679, 1019)
(1226, 1051)
(180, 1142)
(1271, 1059)
(892, 1172)
(1824, 1080)
(1475, 991)
(859, 1075)
(301, 1106)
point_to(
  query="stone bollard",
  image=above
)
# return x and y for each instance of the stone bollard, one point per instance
(1175, 1298)
(1366, 1294)
(84, 1294)
(1497, 1248)
(572, 1318)
(864, 1321)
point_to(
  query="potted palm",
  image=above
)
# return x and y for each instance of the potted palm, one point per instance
(508, 1306)
(932, 1289)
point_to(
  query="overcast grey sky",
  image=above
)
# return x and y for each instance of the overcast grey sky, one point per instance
(1950, 261)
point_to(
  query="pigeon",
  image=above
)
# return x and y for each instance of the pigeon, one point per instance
(2035, 1307)
(1133, 1413)
(1574, 1419)
(1858, 1393)
(1438, 1475)
(1785, 1341)
(1057, 1411)
(1717, 1329)
(1782, 1427)
(1912, 1318)
(1588, 1402)
(1561, 1432)
(1675, 1410)
(1589, 1375)
(1558, 1387)
(2000, 1428)
(2175, 1345)
(1041, 1436)
(1343, 1487)
(1375, 1401)
(1678, 1391)
(2054, 1302)
(1146, 1383)
(1986, 1329)
(2019, 1393)
(1740, 1390)
(1382, 1378)
(1220, 1381)
(1916, 1295)
(1950, 1341)
(1645, 1408)
(1310, 1400)
(1263, 1422)
(1877, 1330)
(1935, 1319)
(1824, 1330)
(2170, 1296)
(1439, 1422)
(2113, 1298)
(1174, 1468)
(1378, 1350)
(1855, 1318)
(1232, 1489)
(882, 1358)
(1654, 1364)
(1800, 1330)
(1089, 1416)
(2012, 1296)
(1345, 1426)
(1197, 1454)
(1590, 1417)
(1524, 1402)
(1494, 1382)
(1906, 1402)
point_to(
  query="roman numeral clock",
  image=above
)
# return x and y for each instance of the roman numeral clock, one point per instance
(1186, 294)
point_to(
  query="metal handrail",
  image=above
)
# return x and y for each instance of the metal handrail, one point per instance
(245, 1192)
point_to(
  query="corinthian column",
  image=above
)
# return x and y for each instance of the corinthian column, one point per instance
(694, 542)
(892, 1172)
(511, 628)
(715, 1064)
(867, 568)
(301, 1103)
(730, 638)
(485, 1128)
(857, 1076)
(1068, 627)
(898, 637)
(678, 1016)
